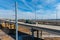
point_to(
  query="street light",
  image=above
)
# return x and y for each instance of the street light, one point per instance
(16, 21)
(35, 15)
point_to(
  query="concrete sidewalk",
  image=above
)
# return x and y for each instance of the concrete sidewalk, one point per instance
(4, 36)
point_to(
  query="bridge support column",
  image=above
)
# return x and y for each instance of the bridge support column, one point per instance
(37, 33)
(32, 33)
(10, 26)
(41, 34)
(33, 30)
(14, 26)
(5, 24)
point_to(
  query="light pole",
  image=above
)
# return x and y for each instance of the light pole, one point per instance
(16, 20)
(56, 16)
(35, 15)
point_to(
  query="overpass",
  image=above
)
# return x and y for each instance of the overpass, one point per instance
(36, 27)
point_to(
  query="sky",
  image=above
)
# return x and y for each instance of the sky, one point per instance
(26, 9)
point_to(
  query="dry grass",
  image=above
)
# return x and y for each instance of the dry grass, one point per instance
(54, 38)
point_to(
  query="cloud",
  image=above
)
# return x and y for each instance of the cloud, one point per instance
(50, 1)
(24, 1)
(10, 14)
(58, 6)
(7, 4)
(42, 13)
(6, 13)
(58, 10)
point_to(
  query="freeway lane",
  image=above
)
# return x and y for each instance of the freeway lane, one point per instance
(48, 28)
(40, 25)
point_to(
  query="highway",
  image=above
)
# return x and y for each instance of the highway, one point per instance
(48, 28)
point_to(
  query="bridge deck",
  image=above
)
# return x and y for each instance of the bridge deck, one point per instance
(48, 28)
(43, 26)
(38, 25)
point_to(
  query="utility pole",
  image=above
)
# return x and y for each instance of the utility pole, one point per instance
(35, 15)
(56, 17)
(16, 20)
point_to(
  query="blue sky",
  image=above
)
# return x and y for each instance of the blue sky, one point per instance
(45, 9)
